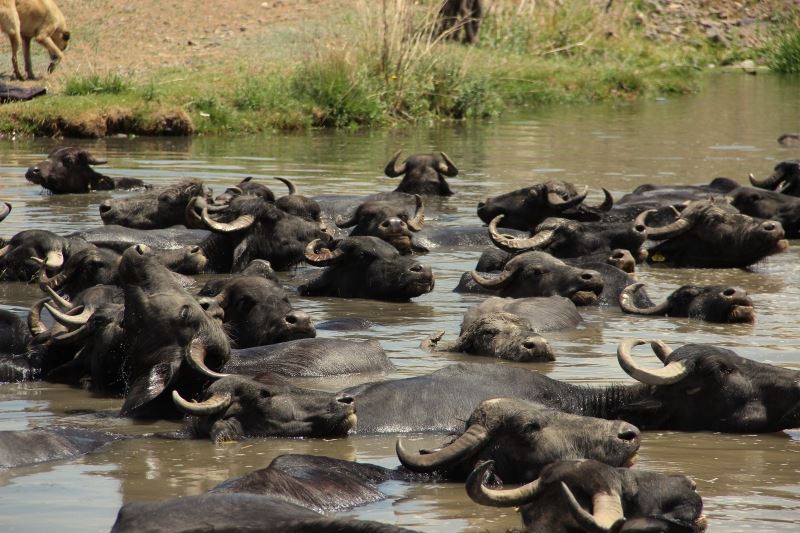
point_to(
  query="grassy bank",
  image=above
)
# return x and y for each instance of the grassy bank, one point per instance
(379, 62)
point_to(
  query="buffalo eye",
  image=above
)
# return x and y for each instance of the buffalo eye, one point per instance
(263, 393)
(538, 271)
(184, 313)
(531, 427)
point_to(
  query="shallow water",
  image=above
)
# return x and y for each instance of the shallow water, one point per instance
(749, 482)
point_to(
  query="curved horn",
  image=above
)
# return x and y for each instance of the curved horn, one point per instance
(510, 244)
(468, 443)
(767, 183)
(607, 509)
(415, 224)
(483, 495)
(196, 357)
(5, 209)
(322, 258)
(59, 300)
(392, 170)
(70, 321)
(35, 324)
(447, 167)
(641, 217)
(608, 201)
(289, 184)
(559, 203)
(494, 283)
(661, 349)
(349, 223)
(679, 226)
(672, 373)
(241, 223)
(216, 404)
(5, 249)
(627, 305)
(73, 336)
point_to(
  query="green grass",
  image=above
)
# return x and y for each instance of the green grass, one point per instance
(784, 58)
(375, 67)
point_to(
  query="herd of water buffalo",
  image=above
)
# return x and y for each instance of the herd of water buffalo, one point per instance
(125, 324)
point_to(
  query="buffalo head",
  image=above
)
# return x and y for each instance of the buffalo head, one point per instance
(423, 173)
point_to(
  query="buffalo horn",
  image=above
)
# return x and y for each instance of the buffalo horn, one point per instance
(661, 349)
(54, 259)
(349, 223)
(674, 372)
(70, 321)
(59, 300)
(196, 357)
(480, 493)
(496, 282)
(392, 170)
(607, 511)
(73, 336)
(627, 305)
(767, 183)
(241, 223)
(415, 224)
(4, 250)
(324, 257)
(464, 446)
(673, 229)
(556, 201)
(510, 244)
(447, 167)
(216, 404)
(35, 323)
(5, 209)
(608, 201)
(289, 185)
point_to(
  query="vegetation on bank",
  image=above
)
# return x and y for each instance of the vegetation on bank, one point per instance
(383, 63)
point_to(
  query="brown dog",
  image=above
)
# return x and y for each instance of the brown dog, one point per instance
(23, 20)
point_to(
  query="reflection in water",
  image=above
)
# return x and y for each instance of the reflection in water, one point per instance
(749, 482)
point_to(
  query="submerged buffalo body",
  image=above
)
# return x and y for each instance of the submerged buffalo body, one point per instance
(769, 205)
(68, 170)
(716, 303)
(423, 173)
(158, 208)
(32, 446)
(785, 178)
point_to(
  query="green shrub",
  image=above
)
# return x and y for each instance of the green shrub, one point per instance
(97, 84)
(785, 57)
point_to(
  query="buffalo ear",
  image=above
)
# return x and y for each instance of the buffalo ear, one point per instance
(148, 387)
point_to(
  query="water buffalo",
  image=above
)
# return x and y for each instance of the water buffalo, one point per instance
(22, 256)
(564, 238)
(785, 178)
(119, 238)
(526, 208)
(739, 395)
(311, 358)
(579, 496)
(32, 446)
(510, 328)
(386, 220)
(250, 228)
(789, 139)
(708, 235)
(523, 437)
(769, 205)
(456, 16)
(248, 187)
(159, 208)
(68, 170)
(423, 173)
(256, 311)
(242, 513)
(716, 303)
(541, 274)
(366, 267)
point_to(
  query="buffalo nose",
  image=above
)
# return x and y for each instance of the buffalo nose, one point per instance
(640, 228)
(589, 275)
(770, 226)
(347, 400)
(417, 268)
(35, 170)
(194, 250)
(481, 205)
(732, 292)
(629, 433)
(105, 207)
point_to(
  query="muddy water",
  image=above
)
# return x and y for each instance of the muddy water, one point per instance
(749, 482)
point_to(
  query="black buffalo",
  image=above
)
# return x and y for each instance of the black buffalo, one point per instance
(526, 208)
(159, 208)
(32, 446)
(709, 235)
(23, 255)
(785, 178)
(769, 205)
(68, 170)
(423, 173)
(580, 496)
(366, 267)
(717, 303)
(386, 220)
(256, 311)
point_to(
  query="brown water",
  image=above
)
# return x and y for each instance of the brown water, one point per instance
(749, 482)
